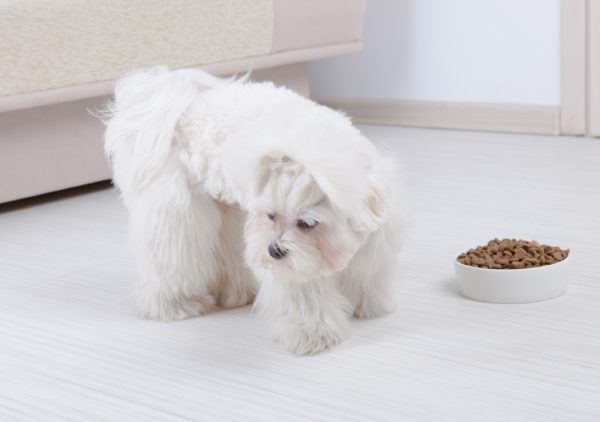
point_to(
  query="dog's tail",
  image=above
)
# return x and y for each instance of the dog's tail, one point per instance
(142, 118)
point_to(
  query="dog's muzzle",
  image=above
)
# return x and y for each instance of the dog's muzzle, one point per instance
(276, 251)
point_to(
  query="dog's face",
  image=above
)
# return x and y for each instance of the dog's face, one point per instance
(294, 231)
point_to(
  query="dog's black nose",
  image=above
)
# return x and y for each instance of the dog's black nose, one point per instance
(276, 251)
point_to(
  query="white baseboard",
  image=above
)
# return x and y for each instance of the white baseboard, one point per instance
(516, 118)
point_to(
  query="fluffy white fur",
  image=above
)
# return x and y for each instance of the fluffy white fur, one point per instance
(232, 185)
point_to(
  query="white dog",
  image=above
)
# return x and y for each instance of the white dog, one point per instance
(223, 176)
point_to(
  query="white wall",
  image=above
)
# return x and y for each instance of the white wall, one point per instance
(496, 51)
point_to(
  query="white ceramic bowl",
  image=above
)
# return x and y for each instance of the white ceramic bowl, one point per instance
(513, 286)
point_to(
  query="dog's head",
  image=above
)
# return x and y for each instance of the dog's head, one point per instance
(314, 187)
(303, 224)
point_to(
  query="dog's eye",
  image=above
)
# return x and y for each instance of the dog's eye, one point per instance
(271, 216)
(305, 225)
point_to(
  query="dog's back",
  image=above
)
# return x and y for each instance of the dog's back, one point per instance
(142, 119)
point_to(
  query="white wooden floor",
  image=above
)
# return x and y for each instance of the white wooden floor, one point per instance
(71, 347)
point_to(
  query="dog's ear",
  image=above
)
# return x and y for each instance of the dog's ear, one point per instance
(362, 200)
(371, 210)
(263, 173)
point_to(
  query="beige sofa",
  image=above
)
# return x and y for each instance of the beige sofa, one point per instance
(61, 58)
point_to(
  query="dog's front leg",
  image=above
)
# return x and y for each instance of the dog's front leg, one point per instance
(307, 317)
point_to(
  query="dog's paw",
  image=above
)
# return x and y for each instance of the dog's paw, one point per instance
(310, 339)
(375, 305)
(159, 309)
(227, 297)
(369, 308)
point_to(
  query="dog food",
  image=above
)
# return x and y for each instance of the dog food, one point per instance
(512, 254)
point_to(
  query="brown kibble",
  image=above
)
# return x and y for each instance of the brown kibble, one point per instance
(478, 261)
(520, 255)
(512, 254)
(517, 265)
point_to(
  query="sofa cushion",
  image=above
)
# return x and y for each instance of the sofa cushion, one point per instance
(53, 44)
(67, 50)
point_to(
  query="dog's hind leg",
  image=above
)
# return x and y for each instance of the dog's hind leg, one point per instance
(236, 285)
(368, 281)
(174, 233)
(374, 296)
